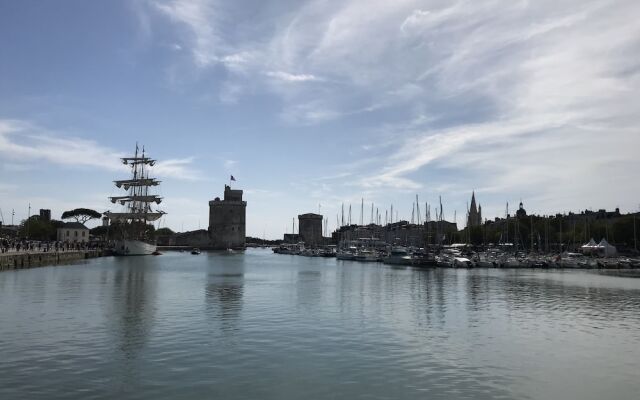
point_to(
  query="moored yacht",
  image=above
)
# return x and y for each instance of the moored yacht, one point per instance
(398, 256)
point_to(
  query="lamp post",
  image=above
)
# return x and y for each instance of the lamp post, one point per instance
(27, 222)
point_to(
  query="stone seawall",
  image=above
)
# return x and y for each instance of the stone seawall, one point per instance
(10, 261)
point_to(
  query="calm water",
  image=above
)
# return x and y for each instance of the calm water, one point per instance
(265, 326)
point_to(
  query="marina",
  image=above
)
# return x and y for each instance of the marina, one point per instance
(463, 257)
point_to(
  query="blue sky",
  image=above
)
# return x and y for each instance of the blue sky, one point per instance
(312, 103)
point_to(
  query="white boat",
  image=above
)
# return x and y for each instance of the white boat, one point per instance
(134, 233)
(347, 254)
(485, 260)
(366, 256)
(126, 247)
(462, 262)
(398, 256)
(571, 260)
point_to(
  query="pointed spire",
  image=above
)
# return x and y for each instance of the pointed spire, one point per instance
(473, 208)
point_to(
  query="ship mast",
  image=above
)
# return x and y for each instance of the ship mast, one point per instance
(138, 200)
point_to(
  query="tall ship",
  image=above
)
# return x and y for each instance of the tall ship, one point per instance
(135, 236)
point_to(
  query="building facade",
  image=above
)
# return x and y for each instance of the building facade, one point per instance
(45, 215)
(310, 229)
(227, 220)
(73, 232)
(521, 213)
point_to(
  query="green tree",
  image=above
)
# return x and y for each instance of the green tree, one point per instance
(164, 232)
(34, 228)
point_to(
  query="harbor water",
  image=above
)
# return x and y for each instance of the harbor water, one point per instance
(257, 325)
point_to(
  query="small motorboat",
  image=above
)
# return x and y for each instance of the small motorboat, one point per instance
(195, 251)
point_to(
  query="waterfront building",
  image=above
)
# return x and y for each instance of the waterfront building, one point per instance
(291, 238)
(310, 229)
(475, 213)
(73, 232)
(521, 213)
(45, 215)
(227, 220)
(198, 238)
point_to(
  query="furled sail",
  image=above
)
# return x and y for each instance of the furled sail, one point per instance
(138, 160)
(148, 216)
(145, 199)
(127, 183)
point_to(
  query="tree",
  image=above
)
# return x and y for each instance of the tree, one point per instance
(100, 231)
(81, 215)
(34, 228)
(164, 232)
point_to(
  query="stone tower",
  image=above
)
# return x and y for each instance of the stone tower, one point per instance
(227, 220)
(475, 212)
(310, 229)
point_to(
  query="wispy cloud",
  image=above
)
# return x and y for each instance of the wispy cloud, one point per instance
(288, 77)
(230, 164)
(23, 141)
(498, 94)
(200, 17)
(180, 168)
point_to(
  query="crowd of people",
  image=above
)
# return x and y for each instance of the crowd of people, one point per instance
(22, 245)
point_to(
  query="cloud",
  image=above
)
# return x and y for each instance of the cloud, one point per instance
(496, 94)
(180, 168)
(229, 164)
(288, 77)
(200, 17)
(22, 141)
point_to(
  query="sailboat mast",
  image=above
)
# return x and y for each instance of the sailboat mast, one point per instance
(373, 221)
(507, 234)
(635, 240)
(531, 234)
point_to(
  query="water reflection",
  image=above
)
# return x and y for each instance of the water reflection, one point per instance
(131, 315)
(308, 288)
(133, 297)
(224, 290)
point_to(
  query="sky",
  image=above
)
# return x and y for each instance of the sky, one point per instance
(315, 104)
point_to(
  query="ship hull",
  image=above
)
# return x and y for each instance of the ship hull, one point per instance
(134, 248)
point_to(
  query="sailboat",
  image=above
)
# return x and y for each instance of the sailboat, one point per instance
(136, 237)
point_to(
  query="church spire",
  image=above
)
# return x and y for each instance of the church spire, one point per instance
(473, 208)
(474, 215)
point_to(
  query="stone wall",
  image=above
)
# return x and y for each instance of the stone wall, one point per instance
(9, 261)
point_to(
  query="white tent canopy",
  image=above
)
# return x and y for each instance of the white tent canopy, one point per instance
(603, 248)
(607, 249)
